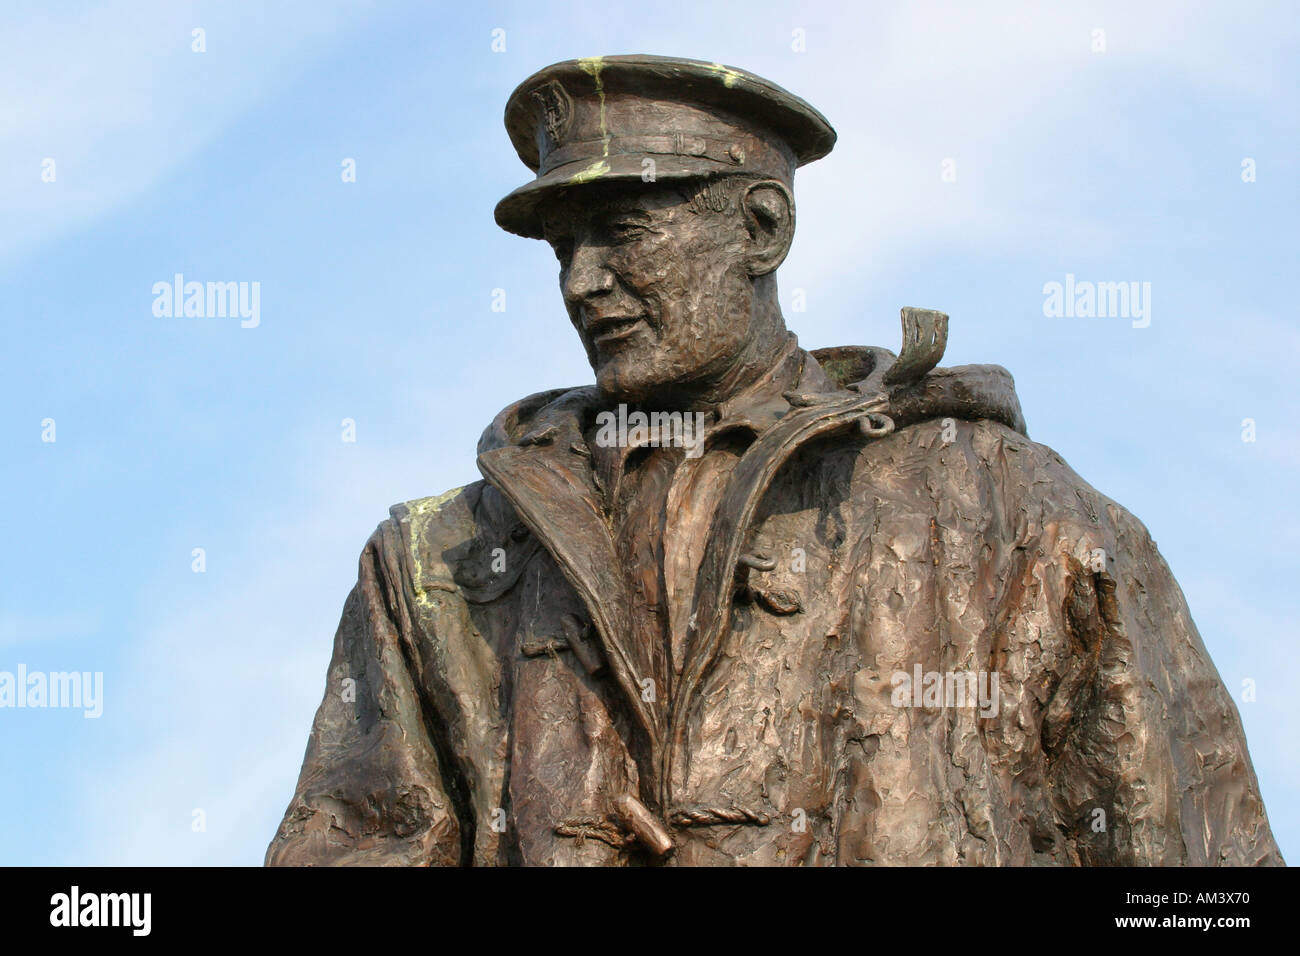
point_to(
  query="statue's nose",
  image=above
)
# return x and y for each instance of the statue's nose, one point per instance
(588, 274)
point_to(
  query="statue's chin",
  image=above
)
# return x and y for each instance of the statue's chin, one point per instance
(619, 383)
(637, 384)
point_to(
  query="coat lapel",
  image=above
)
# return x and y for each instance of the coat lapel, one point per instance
(550, 485)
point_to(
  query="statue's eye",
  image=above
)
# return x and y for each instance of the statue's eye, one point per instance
(627, 230)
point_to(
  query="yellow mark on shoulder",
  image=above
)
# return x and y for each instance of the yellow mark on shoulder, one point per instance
(425, 505)
(594, 171)
(418, 510)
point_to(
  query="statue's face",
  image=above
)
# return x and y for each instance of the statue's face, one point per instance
(654, 283)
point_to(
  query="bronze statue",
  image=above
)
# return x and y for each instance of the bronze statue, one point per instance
(739, 603)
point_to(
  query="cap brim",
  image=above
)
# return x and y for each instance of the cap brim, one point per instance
(517, 212)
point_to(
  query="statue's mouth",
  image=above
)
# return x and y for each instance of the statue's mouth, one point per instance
(608, 330)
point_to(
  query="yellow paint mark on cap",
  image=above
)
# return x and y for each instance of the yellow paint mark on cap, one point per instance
(592, 65)
(594, 171)
(729, 76)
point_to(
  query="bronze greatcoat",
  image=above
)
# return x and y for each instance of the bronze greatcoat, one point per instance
(529, 673)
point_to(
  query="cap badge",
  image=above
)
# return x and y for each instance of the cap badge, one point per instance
(557, 111)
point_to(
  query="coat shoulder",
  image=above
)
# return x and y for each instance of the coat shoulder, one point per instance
(467, 542)
(991, 467)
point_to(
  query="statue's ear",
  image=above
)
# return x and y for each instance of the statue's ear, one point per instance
(769, 217)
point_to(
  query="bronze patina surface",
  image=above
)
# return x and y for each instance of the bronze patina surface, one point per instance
(742, 603)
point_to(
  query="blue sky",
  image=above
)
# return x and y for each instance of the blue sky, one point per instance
(175, 433)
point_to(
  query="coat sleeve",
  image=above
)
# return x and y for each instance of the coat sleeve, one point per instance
(372, 790)
(1140, 726)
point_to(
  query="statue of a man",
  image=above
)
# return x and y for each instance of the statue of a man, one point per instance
(740, 603)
